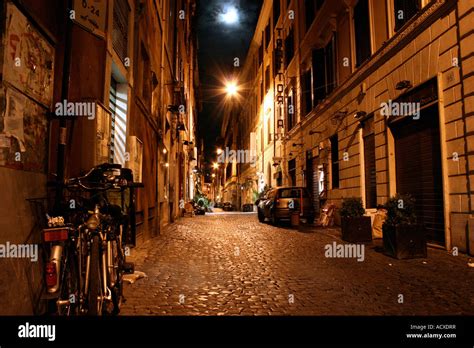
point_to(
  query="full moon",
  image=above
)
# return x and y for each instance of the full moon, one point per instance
(230, 15)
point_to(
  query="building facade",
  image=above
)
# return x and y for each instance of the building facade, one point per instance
(366, 99)
(131, 66)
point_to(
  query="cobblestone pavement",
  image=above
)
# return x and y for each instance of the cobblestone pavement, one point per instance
(230, 264)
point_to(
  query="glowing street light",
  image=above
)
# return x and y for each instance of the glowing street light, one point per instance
(213, 175)
(231, 88)
(219, 151)
(215, 165)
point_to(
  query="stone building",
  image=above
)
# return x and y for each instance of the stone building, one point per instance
(131, 68)
(366, 98)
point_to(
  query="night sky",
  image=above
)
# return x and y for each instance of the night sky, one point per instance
(219, 43)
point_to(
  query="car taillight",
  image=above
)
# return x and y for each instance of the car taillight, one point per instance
(51, 274)
(55, 234)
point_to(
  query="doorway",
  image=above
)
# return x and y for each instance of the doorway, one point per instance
(419, 168)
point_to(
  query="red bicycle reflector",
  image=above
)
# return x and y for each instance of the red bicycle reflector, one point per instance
(51, 274)
(55, 234)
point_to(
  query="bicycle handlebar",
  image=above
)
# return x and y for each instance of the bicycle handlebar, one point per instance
(77, 182)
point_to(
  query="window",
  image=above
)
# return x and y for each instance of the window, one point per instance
(334, 161)
(120, 28)
(145, 75)
(330, 63)
(309, 13)
(319, 81)
(292, 193)
(269, 131)
(291, 112)
(261, 91)
(113, 108)
(307, 102)
(404, 11)
(369, 164)
(260, 55)
(289, 48)
(267, 35)
(228, 171)
(292, 171)
(118, 105)
(276, 11)
(279, 179)
(324, 71)
(362, 31)
(311, 8)
(267, 79)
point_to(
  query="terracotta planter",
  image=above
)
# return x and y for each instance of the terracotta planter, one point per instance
(295, 219)
(356, 229)
(405, 241)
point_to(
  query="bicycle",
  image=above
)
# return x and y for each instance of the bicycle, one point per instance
(94, 263)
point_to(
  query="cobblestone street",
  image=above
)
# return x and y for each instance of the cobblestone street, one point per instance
(230, 264)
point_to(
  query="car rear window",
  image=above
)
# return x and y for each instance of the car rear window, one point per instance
(292, 193)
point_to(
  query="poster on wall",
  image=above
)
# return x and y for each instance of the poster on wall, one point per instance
(23, 132)
(103, 134)
(135, 150)
(28, 58)
(91, 14)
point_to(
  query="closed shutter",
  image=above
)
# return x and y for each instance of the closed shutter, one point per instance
(418, 169)
(315, 189)
(369, 164)
(120, 28)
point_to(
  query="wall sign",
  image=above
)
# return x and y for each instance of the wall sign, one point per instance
(279, 86)
(91, 14)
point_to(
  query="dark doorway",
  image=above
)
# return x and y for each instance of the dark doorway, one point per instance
(419, 171)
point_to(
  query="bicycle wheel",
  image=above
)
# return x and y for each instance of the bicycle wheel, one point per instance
(95, 297)
(69, 285)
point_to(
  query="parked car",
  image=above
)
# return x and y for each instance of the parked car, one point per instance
(279, 203)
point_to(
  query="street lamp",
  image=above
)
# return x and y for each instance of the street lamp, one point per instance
(231, 88)
(219, 151)
(215, 166)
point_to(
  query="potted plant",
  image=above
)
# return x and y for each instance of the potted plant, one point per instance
(403, 236)
(355, 227)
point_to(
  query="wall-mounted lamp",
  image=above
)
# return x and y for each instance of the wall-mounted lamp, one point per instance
(360, 114)
(338, 116)
(404, 84)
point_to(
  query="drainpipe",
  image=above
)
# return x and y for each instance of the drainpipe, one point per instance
(61, 157)
(466, 150)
